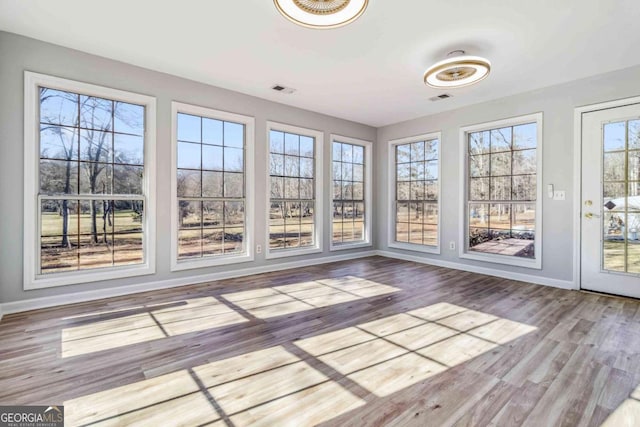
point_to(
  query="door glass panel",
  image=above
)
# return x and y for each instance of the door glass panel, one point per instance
(621, 197)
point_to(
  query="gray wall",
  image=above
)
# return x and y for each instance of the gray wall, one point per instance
(18, 54)
(557, 104)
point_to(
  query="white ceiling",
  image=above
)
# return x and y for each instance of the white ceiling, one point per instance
(370, 71)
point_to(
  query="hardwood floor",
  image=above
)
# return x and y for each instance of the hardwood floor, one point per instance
(373, 342)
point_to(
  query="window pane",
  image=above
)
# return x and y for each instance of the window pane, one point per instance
(212, 131)
(614, 166)
(189, 128)
(306, 146)
(525, 136)
(479, 143)
(211, 158)
(417, 151)
(276, 165)
(58, 255)
(524, 187)
(306, 168)
(291, 166)
(59, 218)
(127, 179)
(501, 188)
(96, 113)
(128, 149)
(233, 159)
(501, 164)
(212, 214)
(212, 184)
(189, 214)
(633, 128)
(128, 118)
(358, 154)
(189, 155)
(96, 178)
(212, 242)
(292, 144)
(614, 136)
(478, 215)
(501, 140)
(276, 142)
(189, 244)
(500, 216)
(233, 239)
(189, 183)
(58, 177)
(58, 107)
(524, 162)
(58, 142)
(233, 214)
(479, 189)
(479, 165)
(233, 185)
(233, 135)
(96, 146)
(524, 217)
(403, 153)
(94, 254)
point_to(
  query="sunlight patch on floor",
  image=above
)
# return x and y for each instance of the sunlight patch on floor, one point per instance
(288, 299)
(627, 414)
(267, 387)
(190, 315)
(156, 401)
(392, 353)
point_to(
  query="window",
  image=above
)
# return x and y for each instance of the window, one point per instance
(351, 202)
(502, 194)
(88, 200)
(415, 189)
(213, 150)
(295, 186)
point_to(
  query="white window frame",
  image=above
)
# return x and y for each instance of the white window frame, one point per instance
(247, 251)
(463, 244)
(32, 279)
(368, 147)
(391, 226)
(319, 185)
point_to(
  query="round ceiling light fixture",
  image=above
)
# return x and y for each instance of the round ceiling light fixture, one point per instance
(457, 70)
(321, 13)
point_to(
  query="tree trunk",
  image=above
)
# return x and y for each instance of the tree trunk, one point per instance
(65, 243)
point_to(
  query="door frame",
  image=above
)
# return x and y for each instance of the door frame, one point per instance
(577, 177)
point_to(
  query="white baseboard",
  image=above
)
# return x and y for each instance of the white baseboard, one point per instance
(36, 303)
(546, 281)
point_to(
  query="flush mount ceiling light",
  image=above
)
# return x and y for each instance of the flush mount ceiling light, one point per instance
(457, 70)
(321, 13)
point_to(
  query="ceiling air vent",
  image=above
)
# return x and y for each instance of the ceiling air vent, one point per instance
(283, 89)
(441, 97)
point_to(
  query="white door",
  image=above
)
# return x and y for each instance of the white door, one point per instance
(610, 258)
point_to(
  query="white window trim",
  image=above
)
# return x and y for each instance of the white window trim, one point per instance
(391, 182)
(368, 176)
(319, 185)
(247, 252)
(33, 280)
(464, 176)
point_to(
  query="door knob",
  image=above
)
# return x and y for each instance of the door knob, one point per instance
(588, 203)
(590, 215)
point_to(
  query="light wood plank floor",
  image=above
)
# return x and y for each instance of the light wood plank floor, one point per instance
(366, 342)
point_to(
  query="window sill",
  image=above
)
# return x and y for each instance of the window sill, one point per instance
(210, 262)
(504, 259)
(415, 247)
(346, 246)
(64, 279)
(285, 253)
